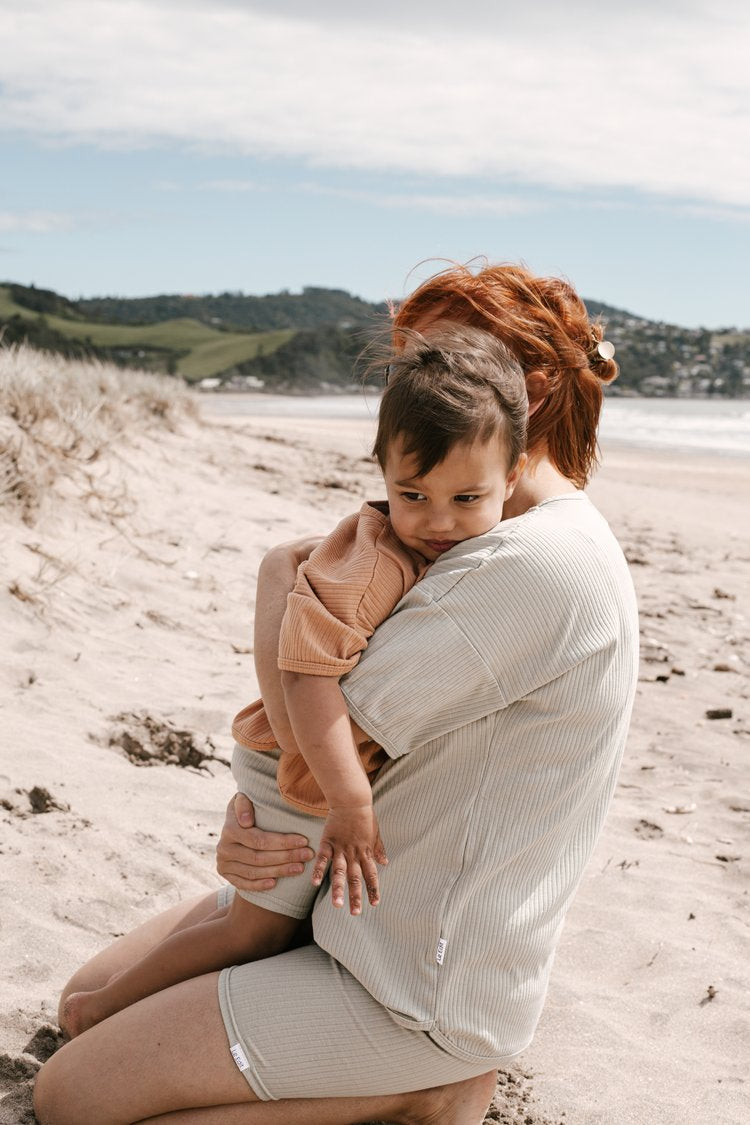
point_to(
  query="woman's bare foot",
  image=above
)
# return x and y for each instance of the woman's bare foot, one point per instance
(460, 1103)
(81, 1011)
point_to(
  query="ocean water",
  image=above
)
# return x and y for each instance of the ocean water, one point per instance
(681, 425)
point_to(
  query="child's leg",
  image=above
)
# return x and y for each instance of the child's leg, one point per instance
(246, 932)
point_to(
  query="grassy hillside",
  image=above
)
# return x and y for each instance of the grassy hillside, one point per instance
(300, 342)
(196, 349)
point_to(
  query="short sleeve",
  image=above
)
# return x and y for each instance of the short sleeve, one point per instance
(314, 641)
(350, 583)
(422, 679)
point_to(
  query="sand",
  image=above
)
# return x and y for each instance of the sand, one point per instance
(126, 613)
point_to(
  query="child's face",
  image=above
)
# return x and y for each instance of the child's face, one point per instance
(459, 498)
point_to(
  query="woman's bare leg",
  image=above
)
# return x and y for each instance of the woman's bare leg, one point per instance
(245, 932)
(165, 1060)
(462, 1103)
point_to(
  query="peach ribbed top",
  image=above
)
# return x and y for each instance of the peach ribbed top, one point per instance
(351, 582)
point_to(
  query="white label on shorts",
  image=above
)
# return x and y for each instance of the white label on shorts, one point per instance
(239, 1057)
(440, 951)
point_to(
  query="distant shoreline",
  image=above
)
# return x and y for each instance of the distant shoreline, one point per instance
(679, 426)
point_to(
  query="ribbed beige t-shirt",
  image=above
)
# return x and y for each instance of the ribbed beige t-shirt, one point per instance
(348, 585)
(501, 688)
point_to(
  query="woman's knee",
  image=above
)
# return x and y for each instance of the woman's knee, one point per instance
(54, 1103)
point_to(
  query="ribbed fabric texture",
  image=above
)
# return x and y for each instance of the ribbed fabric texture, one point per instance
(350, 583)
(309, 1030)
(501, 688)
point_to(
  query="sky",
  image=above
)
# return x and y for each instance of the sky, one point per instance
(188, 146)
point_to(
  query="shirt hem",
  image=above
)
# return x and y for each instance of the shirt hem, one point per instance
(450, 1048)
(375, 735)
(309, 668)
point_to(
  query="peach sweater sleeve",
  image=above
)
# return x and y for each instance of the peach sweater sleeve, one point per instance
(352, 581)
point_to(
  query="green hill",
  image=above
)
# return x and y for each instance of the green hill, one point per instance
(300, 342)
(181, 345)
(312, 308)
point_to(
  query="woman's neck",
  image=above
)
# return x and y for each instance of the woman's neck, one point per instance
(540, 481)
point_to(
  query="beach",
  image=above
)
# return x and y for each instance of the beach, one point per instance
(127, 603)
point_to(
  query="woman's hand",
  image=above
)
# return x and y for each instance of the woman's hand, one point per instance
(250, 858)
(351, 844)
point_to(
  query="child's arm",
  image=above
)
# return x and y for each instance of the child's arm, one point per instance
(276, 577)
(323, 733)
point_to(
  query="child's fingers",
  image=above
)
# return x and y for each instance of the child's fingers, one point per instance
(354, 883)
(322, 859)
(370, 876)
(378, 851)
(339, 872)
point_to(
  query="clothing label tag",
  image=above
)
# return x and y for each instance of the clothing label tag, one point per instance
(440, 951)
(239, 1057)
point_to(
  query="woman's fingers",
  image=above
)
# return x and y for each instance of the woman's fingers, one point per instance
(250, 858)
(244, 810)
(259, 839)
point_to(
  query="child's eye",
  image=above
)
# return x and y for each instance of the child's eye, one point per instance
(412, 497)
(466, 497)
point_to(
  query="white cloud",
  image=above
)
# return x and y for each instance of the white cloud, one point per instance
(35, 222)
(652, 99)
(464, 204)
(716, 213)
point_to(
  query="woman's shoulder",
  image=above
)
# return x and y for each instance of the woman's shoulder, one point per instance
(551, 554)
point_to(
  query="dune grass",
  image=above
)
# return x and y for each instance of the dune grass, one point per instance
(58, 416)
(208, 350)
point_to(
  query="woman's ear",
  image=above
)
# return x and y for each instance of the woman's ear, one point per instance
(536, 388)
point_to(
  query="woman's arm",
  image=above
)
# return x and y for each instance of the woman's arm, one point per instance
(276, 576)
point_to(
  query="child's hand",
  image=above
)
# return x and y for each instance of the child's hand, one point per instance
(351, 844)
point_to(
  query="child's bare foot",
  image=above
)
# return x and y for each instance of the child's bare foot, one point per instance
(81, 1011)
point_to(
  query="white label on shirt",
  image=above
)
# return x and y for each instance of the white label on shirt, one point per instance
(239, 1057)
(440, 951)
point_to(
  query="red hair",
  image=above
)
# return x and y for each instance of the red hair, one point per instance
(544, 323)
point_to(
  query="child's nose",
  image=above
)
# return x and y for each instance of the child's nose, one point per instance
(440, 519)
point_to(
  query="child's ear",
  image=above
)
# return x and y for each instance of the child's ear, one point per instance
(515, 476)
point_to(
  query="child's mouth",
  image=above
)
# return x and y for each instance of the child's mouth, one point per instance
(440, 546)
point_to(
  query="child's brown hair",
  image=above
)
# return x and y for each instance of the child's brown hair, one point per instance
(456, 384)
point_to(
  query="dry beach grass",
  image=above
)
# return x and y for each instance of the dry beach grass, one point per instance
(132, 531)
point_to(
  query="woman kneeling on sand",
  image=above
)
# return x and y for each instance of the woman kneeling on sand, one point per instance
(500, 691)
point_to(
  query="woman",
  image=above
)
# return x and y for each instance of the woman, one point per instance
(501, 690)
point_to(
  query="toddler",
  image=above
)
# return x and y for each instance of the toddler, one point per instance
(450, 443)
